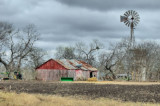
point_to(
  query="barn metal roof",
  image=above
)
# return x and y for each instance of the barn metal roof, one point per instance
(89, 67)
(75, 63)
(66, 64)
(71, 64)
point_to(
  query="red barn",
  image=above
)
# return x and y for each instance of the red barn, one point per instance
(54, 70)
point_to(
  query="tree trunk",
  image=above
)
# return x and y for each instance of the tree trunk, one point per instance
(158, 76)
(113, 75)
(7, 70)
(144, 73)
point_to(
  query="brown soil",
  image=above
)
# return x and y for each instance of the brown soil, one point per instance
(135, 93)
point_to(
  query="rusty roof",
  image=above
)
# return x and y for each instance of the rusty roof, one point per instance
(71, 64)
(89, 67)
(66, 63)
(76, 62)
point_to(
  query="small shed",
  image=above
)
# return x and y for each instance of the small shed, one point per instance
(54, 70)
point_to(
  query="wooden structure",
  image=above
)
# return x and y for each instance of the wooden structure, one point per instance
(54, 70)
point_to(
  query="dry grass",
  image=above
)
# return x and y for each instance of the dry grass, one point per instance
(95, 82)
(24, 99)
(116, 82)
(94, 79)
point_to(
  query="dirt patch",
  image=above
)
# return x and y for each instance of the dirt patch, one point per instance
(135, 93)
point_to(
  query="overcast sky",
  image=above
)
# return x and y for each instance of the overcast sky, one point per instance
(65, 22)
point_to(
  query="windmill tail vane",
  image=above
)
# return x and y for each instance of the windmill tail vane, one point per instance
(123, 18)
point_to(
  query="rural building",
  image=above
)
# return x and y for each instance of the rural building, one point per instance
(54, 70)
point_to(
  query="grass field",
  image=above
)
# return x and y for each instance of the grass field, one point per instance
(95, 82)
(24, 99)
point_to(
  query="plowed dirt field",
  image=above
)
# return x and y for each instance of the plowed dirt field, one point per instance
(124, 92)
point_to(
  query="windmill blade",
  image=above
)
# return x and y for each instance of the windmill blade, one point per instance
(125, 21)
(132, 12)
(134, 24)
(136, 15)
(128, 23)
(127, 13)
(136, 21)
(137, 18)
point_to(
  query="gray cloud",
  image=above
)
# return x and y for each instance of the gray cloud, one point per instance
(104, 5)
(65, 22)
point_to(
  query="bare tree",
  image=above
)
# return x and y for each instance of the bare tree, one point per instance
(109, 60)
(20, 44)
(140, 61)
(36, 57)
(5, 30)
(146, 56)
(87, 53)
(65, 52)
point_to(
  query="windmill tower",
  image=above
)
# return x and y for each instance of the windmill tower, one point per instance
(131, 19)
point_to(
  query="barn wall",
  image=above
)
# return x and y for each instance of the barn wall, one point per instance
(72, 73)
(53, 75)
(82, 75)
(86, 74)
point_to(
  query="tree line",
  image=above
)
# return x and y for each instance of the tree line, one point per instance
(141, 61)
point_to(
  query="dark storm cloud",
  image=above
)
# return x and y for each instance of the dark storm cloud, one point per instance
(104, 5)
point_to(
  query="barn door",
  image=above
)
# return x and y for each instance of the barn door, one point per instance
(91, 74)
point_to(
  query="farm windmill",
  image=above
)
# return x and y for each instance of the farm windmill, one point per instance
(131, 19)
